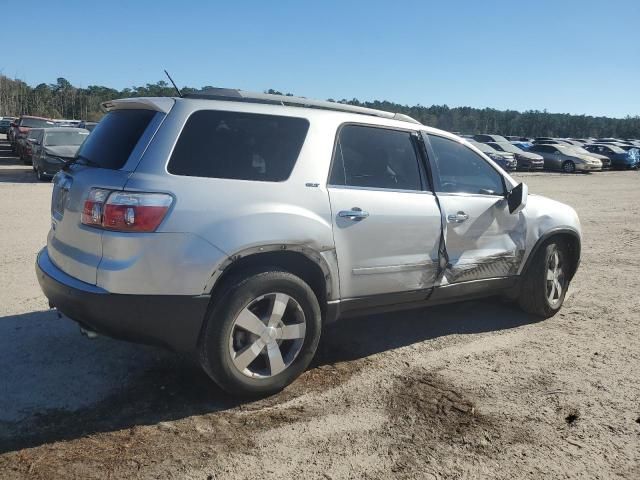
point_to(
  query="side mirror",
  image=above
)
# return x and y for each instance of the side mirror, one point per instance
(517, 198)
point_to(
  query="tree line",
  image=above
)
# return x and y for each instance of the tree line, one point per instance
(63, 100)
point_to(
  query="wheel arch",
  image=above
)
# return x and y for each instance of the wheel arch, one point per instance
(572, 240)
(317, 269)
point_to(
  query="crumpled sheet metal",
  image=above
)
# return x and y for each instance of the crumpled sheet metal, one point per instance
(497, 265)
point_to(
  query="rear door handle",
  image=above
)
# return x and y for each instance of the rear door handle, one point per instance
(355, 213)
(458, 217)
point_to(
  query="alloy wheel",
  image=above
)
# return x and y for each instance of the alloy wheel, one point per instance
(569, 166)
(267, 335)
(555, 279)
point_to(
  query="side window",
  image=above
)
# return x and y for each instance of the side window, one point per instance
(375, 158)
(461, 170)
(235, 145)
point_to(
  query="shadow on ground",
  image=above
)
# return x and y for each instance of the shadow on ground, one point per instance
(12, 169)
(58, 385)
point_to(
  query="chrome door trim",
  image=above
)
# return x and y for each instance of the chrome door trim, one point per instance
(393, 268)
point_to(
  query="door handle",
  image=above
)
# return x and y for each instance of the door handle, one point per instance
(355, 213)
(458, 217)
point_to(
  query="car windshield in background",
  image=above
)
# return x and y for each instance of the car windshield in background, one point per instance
(73, 137)
(483, 147)
(616, 149)
(505, 147)
(114, 138)
(36, 123)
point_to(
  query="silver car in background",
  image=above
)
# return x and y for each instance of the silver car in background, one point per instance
(234, 226)
(565, 158)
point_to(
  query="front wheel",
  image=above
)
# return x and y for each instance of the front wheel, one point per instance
(41, 176)
(568, 167)
(545, 284)
(263, 333)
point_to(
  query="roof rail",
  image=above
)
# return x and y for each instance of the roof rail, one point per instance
(234, 95)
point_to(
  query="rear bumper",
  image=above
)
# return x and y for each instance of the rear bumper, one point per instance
(173, 321)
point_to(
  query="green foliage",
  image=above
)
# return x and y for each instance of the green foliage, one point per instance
(63, 100)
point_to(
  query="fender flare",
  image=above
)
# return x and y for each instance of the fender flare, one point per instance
(546, 236)
(325, 260)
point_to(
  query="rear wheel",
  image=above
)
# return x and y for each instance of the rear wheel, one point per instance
(568, 167)
(545, 283)
(263, 333)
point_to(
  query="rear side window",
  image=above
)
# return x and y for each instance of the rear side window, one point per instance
(375, 158)
(114, 138)
(236, 145)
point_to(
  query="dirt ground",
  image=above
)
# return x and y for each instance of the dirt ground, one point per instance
(462, 391)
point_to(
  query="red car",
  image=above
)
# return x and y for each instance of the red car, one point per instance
(20, 130)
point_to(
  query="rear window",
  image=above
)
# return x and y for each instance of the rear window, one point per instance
(114, 138)
(235, 145)
(65, 137)
(36, 123)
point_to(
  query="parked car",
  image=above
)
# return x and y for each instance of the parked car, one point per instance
(87, 125)
(526, 160)
(484, 138)
(27, 152)
(565, 158)
(606, 161)
(506, 160)
(21, 131)
(53, 147)
(619, 157)
(234, 230)
(5, 124)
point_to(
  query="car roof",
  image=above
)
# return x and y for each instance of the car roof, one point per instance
(341, 112)
(63, 129)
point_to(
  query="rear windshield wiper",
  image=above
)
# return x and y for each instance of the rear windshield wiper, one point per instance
(80, 160)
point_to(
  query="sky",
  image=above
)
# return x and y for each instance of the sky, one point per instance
(566, 56)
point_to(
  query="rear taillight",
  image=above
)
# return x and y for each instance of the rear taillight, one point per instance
(125, 211)
(94, 206)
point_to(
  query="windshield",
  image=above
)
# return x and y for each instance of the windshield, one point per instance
(483, 147)
(580, 150)
(615, 149)
(65, 137)
(522, 146)
(508, 147)
(35, 123)
(570, 150)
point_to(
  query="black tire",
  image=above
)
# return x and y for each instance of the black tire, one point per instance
(41, 176)
(238, 293)
(535, 290)
(568, 167)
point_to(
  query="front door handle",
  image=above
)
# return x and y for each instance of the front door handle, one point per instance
(355, 213)
(458, 217)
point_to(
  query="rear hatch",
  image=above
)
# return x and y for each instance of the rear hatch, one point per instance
(105, 160)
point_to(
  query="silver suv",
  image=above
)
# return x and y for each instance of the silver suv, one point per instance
(234, 226)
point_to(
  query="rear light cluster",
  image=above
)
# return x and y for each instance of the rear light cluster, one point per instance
(125, 211)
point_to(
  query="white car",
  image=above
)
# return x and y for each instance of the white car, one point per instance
(234, 226)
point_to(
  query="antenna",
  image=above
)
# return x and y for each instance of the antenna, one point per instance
(173, 83)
